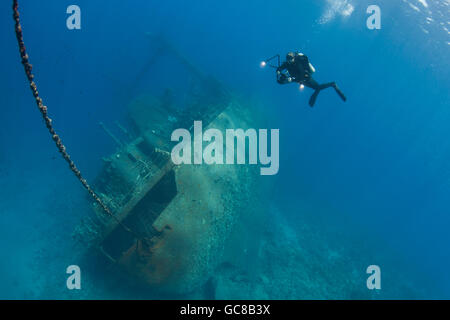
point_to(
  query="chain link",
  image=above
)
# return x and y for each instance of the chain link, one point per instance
(48, 122)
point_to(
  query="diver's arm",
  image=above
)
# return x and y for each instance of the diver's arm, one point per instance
(282, 68)
(282, 76)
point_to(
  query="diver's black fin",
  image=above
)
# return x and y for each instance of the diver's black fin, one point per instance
(340, 93)
(313, 98)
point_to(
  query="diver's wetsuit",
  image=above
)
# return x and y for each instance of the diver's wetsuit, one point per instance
(300, 70)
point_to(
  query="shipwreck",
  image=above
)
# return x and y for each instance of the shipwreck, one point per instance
(184, 213)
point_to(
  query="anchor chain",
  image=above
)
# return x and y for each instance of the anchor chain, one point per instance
(48, 122)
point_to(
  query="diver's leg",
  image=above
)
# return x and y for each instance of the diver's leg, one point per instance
(327, 85)
(340, 93)
(311, 83)
(319, 87)
(313, 98)
(334, 85)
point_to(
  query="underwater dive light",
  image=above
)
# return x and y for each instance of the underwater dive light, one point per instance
(302, 86)
(267, 62)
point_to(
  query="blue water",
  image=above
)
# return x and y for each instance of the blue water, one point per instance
(374, 169)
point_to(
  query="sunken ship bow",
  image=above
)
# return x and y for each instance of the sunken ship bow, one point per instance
(171, 223)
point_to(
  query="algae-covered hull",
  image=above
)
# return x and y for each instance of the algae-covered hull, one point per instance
(171, 222)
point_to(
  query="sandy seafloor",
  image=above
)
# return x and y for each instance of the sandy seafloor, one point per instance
(272, 258)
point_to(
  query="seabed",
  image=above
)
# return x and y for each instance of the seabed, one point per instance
(211, 232)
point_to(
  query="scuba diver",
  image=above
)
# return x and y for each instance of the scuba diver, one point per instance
(298, 69)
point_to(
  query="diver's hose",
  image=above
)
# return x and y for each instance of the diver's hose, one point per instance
(44, 111)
